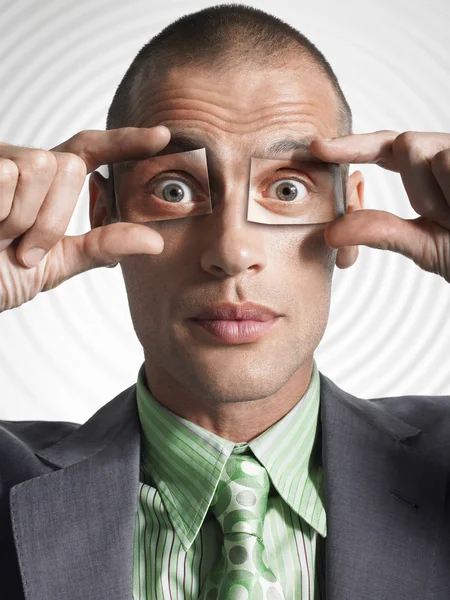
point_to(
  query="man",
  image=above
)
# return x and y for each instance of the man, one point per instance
(229, 470)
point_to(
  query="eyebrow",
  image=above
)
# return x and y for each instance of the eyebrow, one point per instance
(287, 145)
(180, 142)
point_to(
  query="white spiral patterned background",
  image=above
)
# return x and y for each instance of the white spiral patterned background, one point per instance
(71, 350)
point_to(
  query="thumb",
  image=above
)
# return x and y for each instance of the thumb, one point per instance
(376, 229)
(106, 245)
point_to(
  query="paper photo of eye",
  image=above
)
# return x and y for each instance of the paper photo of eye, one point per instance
(300, 191)
(171, 186)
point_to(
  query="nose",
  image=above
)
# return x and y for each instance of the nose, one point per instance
(233, 245)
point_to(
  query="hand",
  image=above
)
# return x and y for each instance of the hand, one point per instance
(39, 190)
(423, 161)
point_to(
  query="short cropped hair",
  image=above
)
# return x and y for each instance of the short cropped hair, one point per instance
(221, 38)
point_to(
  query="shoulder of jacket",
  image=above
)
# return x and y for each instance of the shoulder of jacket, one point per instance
(34, 434)
(431, 414)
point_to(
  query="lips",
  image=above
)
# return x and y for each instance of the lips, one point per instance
(234, 332)
(226, 311)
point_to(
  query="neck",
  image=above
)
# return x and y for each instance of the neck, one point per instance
(239, 421)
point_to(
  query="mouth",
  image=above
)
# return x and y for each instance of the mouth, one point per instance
(234, 331)
(247, 311)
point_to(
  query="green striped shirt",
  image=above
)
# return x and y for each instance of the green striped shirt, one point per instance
(177, 540)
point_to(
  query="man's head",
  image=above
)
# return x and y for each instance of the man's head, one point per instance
(237, 79)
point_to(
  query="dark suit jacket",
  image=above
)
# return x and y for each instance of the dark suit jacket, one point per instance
(68, 500)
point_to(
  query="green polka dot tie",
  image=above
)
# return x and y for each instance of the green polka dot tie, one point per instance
(239, 505)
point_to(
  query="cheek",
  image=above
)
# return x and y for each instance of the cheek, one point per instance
(306, 278)
(314, 251)
(146, 282)
(152, 273)
(305, 252)
(153, 284)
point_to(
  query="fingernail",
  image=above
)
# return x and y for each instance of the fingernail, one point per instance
(162, 128)
(33, 256)
(328, 140)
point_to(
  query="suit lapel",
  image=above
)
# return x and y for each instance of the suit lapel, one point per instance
(74, 527)
(384, 501)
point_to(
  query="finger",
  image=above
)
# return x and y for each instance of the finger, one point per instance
(373, 147)
(9, 174)
(382, 230)
(105, 245)
(36, 171)
(414, 153)
(96, 147)
(440, 166)
(56, 211)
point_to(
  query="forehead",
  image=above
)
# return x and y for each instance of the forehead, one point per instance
(273, 112)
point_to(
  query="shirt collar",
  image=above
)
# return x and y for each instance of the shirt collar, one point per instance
(185, 461)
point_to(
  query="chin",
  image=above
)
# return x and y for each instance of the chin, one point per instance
(241, 381)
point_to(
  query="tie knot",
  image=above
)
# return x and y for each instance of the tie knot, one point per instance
(240, 501)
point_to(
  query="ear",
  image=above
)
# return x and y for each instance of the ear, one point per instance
(98, 200)
(347, 255)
